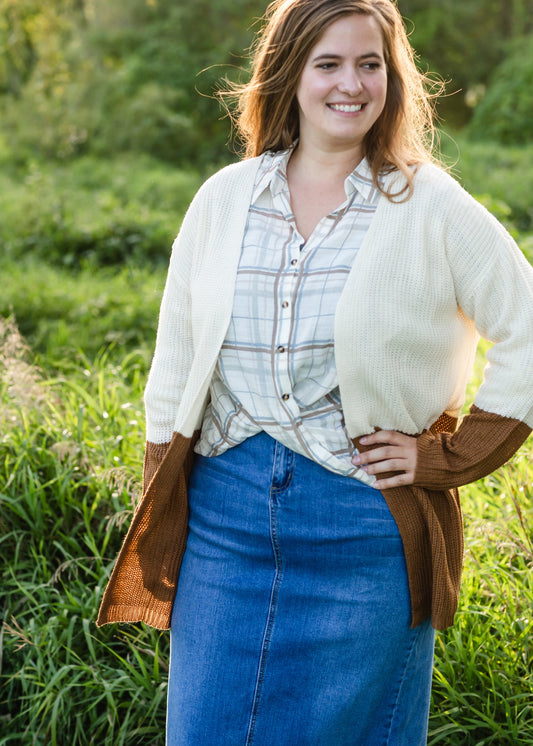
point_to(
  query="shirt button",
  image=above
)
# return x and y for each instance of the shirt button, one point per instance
(294, 262)
(286, 397)
(285, 304)
(280, 349)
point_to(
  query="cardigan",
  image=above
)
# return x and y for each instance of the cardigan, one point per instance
(432, 272)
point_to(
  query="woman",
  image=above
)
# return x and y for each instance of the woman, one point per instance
(316, 334)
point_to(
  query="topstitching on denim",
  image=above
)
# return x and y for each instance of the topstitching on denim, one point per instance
(395, 700)
(281, 479)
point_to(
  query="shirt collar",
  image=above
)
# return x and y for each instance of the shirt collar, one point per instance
(273, 175)
(361, 180)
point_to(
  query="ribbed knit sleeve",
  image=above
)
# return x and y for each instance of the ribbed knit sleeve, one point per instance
(197, 301)
(483, 442)
(154, 453)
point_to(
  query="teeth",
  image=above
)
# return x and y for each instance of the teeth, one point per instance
(349, 108)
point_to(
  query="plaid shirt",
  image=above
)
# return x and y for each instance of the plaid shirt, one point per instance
(276, 369)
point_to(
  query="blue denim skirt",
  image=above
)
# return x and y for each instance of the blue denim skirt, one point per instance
(291, 624)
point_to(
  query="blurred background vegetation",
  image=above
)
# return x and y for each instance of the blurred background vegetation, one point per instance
(108, 124)
(108, 120)
(84, 77)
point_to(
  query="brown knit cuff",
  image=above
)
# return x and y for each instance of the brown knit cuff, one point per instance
(153, 455)
(483, 442)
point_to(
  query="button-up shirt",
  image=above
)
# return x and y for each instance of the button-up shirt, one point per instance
(276, 370)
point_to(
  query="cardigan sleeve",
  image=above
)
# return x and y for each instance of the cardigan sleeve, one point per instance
(154, 453)
(483, 442)
(186, 331)
(494, 288)
(174, 343)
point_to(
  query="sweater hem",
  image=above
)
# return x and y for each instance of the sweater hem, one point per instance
(126, 614)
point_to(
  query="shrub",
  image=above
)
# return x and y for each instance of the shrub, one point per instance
(504, 113)
(62, 313)
(108, 212)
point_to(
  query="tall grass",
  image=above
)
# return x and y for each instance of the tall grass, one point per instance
(483, 679)
(483, 676)
(70, 462)
(69, 458)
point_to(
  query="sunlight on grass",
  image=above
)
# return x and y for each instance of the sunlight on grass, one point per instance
(71, 451)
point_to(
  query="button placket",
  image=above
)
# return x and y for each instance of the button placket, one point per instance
(285, 297)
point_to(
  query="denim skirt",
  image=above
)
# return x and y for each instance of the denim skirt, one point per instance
(291, 624)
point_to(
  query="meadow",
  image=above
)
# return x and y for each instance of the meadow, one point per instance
(84, 255)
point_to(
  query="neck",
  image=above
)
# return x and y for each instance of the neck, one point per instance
(324, 165)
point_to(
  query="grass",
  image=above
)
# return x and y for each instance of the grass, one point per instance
(70, 457)
(60, 312)
(483, 679)
(70, 454)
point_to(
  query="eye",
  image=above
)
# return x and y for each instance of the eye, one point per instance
(327, 65)
(372, 65)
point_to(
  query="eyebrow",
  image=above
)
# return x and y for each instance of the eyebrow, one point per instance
(332, 56)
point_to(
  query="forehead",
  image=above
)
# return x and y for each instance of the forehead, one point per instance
(356, 32)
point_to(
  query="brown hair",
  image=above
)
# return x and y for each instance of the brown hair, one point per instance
(267, 118)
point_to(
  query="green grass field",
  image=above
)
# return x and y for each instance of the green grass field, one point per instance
(75, 345)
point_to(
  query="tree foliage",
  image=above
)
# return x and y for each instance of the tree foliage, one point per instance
(84, 75)
(505, 113)
(464, 42)
(80, 76)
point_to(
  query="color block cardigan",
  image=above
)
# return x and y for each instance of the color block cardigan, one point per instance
(431, 273)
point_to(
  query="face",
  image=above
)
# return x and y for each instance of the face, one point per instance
(343, 86)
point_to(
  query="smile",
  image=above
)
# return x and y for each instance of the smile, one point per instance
(348, 108)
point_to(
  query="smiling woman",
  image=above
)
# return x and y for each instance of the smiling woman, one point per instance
(300, 530)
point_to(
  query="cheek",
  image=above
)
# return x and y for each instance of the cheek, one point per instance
(312, 87)
(379, 92)
(302, 92)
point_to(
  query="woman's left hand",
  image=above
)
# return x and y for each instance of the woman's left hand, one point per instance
(390, 451)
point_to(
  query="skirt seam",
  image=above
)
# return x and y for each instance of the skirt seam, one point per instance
(278, 574)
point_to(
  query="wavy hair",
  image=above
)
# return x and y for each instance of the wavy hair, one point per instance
(266, 114)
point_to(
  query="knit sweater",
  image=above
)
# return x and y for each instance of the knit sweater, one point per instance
(432, 272)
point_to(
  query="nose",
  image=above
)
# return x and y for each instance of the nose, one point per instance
(350, 82)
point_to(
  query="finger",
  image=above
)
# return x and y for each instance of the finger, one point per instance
(382, 467)
(380, 454)
(384, 436)
(400, 480)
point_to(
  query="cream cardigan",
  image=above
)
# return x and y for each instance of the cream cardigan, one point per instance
(430, 272)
